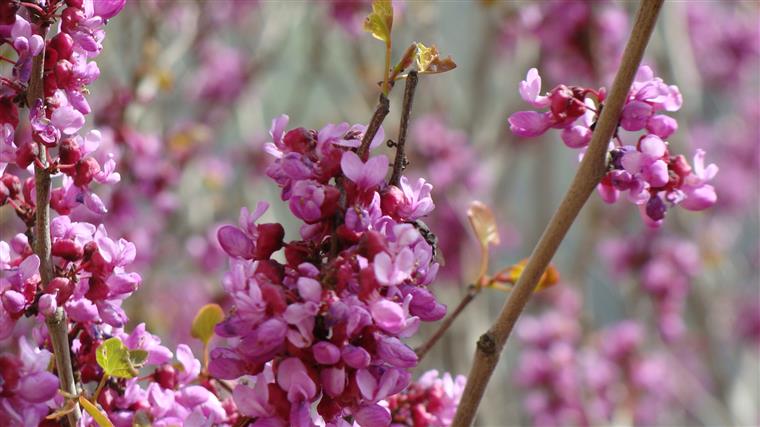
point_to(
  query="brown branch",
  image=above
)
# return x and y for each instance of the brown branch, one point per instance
(589, 174)
(472, 292)
(56, 323)
(382, 110)
(400, 162)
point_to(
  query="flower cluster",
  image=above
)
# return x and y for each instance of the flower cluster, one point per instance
(568, 382)
(665, 267)
(90, 276)
(57, 120)
(325, 325)
(431, 401)
(26, 386)
(90, 279)
(174, 395)
(652, 176)
(571, 33)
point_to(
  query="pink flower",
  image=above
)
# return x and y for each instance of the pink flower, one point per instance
(530, 123)
(417, 201)
(293, 378)
(530, 90)
(364, 175)
(699, 194)
(392, 272)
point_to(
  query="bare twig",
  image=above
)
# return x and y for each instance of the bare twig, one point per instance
(56, 323)
(400, 162)
(589, 174)
(382, 110)
(472, 292)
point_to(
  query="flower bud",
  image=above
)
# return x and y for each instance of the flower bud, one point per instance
(166, 376)
(13, 302)
(390, 199)
(298, 140)
(656, 208)
(98, 289)
(69, 152)
(269, 240)
(63, 45)
(85, 171)
(67, 249)
(26, 154)
(70, 19)
(12, 184)
(47, 304)
(62, 288)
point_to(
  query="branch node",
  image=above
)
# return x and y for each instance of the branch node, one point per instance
(487, 344)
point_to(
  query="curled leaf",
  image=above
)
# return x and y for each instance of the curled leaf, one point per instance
(512, 275)
(483, 223)
(95, 413)
(205, 321)
(380, 21)
(430, 62)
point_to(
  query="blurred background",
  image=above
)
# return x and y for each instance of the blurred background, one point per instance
(646, 327)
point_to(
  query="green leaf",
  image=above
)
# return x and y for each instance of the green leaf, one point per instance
(205, 321)
(95, 413)
(115, 359)
(380, 21)
(137, 358)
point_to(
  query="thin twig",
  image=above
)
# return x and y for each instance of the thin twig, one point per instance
(382, 110)
(406, 109)
(56, 323)
(472, 292)
(589, 174)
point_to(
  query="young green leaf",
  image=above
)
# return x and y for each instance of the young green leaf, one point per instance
(205, 321)
(115, 359)
(380, 21)
(137, 358)
(95, 413)
(430, 62)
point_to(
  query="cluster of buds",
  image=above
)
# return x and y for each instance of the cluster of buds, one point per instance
(646, 169)
(325, 326)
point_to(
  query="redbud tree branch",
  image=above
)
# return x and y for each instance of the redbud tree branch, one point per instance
(589, 174)
(472, 292)
(57, 325)
(382, 110)
(400, 162)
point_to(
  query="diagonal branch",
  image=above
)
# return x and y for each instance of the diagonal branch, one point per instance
(382, 110)
(589, 174)
(406, 110)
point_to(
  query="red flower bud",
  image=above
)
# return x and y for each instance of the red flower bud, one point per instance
(69, 152)
(12, 184)
(63, 45)
(70, 19)
(166, 376)
(298, 140)
(8, 111)
(269, 240)
(26, 154)
(85, 171)
(98, 289)
(390, 199)
(330, 205)
(67, 249)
